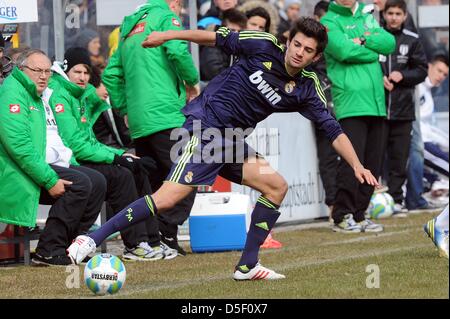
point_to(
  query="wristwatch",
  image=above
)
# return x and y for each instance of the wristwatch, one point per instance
(363, 40)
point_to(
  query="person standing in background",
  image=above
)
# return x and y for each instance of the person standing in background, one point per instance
(403, 70)
(422, 130)
(355, 42)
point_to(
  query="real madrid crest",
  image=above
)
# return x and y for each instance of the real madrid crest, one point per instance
(289, 87)
(188, 177)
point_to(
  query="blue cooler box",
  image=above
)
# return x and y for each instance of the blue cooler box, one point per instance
(219, 222)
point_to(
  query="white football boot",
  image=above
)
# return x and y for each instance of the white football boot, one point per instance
(258, 272)
(81, 247)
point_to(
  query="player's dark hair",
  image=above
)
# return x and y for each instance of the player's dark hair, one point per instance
(234, 16)
(321, 8)
(440, 57)
(312, 29)
(260, 12)
(396, 4)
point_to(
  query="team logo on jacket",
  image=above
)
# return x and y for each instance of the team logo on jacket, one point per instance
(188, 177)
(83, 119)
(403, 49)
(289, 87)
(14, 108)
(175, 22)
(59, 108)
(139, 28)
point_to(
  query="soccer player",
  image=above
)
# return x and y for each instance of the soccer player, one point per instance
(266, 78)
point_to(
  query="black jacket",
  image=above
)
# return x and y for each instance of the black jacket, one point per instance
(6, 67)
(213, 60)
(320, 68)
(409, 59)
(110, 129)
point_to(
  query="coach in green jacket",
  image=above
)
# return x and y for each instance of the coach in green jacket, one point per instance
(355, 41)
(70, 105)
(23, 169)
(150, 86)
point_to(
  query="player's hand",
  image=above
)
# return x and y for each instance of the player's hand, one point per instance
(155, 39)
(364, 175)
(388, 84)
(192, 92)
(59, 188)
(395, 76)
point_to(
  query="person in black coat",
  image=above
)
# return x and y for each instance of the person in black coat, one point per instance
(403, 70)
(213, 60)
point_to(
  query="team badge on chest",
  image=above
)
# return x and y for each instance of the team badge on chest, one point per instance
(188, 177)
(289, 87)
(14, 108)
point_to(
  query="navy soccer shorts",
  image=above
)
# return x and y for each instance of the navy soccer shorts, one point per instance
(203, 153)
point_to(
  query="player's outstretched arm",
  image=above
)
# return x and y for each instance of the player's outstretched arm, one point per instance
(345, 149)
(155, 39)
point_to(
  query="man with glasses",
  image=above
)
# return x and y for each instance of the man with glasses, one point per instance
(38, 168)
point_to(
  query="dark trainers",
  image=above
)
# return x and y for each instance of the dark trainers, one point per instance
(62, 260)
(173, 243)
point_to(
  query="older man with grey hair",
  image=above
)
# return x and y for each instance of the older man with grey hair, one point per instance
(37, 166)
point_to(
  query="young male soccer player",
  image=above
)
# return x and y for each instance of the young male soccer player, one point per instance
(265, 79)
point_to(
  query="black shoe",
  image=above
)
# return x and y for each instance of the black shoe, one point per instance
(173, 243)
(62, 260)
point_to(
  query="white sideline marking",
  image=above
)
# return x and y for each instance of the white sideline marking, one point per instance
(358, 239)
(293, 264)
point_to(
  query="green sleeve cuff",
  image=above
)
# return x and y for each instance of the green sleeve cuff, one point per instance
(52, 182)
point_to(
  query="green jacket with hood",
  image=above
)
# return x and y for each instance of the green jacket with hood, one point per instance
(354, 70)
(149, 84)
(76, 110)
(23, 136)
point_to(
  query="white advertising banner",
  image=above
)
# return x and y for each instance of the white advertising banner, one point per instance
(287, 141)
(18, 11)
(112, 12)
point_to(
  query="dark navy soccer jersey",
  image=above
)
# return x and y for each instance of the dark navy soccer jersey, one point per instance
(258, 85)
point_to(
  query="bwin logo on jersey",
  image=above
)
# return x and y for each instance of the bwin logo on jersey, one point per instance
(264, 87)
